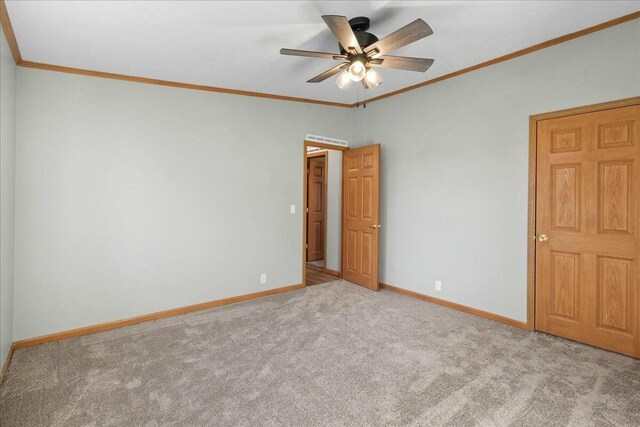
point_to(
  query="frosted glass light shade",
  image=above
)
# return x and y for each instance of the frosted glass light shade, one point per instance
(344, 80)
(372, 78)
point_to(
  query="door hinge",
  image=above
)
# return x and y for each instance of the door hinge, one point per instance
(306, 246)
(307, 210)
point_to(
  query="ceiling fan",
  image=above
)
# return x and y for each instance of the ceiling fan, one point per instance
(361, 52)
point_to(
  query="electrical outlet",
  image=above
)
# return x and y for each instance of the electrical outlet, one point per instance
(438, 285)
(263, 278)
(292, 209)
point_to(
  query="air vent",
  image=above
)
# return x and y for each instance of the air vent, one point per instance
(326, 140)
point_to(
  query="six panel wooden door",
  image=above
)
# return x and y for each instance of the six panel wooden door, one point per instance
(360, 226)
(588, 207)
(316, 200)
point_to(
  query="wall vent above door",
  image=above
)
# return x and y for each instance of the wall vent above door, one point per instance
(327, 140)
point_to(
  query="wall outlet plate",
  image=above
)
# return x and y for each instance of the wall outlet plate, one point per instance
(263, 278)
(438, 285)
(292, 209)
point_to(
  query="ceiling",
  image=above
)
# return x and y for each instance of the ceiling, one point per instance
(236, 44)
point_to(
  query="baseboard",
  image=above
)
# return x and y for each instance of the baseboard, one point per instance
(332, 272)
(5, 368)
(147, 318)
(455, 306)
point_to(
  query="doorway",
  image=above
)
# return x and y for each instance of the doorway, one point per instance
(322, 213)
(352, 195)
(586, 244)
(316, 208)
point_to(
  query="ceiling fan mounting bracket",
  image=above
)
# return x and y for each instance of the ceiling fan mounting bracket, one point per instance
(359, 23)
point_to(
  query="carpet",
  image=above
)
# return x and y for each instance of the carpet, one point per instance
(332, 354)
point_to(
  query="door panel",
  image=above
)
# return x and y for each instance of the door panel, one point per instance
(361, 186)
(614, 286)
(613, 189)
(588, 204)
(565, 198)
(316, 199)
(564, 285)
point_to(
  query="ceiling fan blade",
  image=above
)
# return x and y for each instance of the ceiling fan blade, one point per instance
(341, 29)
(311, 54)
(331, 72)
(408, 34)
(402, 63)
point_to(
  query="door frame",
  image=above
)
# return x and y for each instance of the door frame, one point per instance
(533, 167)
(313, 155)
(304, 202)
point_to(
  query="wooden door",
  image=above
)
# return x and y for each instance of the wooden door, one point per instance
(316, 205)
(360, 221)
(588, 207)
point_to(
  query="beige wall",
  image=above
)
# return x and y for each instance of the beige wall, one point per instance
(135, 198)
(334, 207)
(7, 193)
(455, 162)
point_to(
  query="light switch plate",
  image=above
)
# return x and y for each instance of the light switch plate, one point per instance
(293, 209)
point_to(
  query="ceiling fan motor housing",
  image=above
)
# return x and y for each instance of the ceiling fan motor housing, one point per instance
(360, 25)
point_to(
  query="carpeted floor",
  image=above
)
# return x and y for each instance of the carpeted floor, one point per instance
(332, 354)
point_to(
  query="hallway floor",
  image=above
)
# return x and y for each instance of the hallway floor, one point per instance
(317, 275)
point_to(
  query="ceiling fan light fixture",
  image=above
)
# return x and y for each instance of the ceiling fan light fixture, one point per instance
(344, 80)
(360, 51)
(357, 69)
(372, 78)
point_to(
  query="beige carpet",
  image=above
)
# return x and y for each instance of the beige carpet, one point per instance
(332, 354)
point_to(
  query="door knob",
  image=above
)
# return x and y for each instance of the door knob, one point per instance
(543, 238)
(376, 226)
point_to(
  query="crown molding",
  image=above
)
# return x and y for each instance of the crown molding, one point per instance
(8, 32)
(146, 80)
(15, 50)
(17, 57)
(521, 52)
